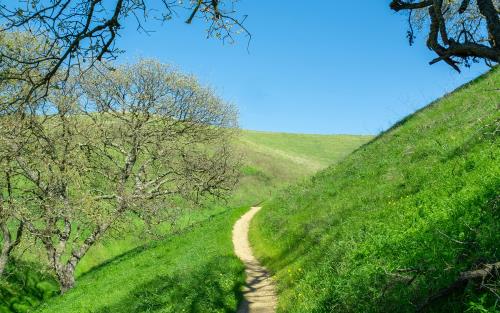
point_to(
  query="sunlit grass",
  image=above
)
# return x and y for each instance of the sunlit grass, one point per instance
(397, 220)
(194, 271)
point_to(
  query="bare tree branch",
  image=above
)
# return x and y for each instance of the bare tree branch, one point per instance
(79, 32)
(459, 32)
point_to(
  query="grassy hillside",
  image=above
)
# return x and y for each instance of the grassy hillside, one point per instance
(273, 160)
(398, 220)
(270, 161)
(193, 268)
(194, 271)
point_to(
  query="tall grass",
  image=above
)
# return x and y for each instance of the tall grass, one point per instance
(398, 220)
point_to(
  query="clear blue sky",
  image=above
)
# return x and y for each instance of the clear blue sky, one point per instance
(329, 67)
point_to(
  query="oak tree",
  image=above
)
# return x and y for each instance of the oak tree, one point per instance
(119, 144)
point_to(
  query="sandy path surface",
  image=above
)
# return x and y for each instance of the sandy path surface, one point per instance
(259, 292)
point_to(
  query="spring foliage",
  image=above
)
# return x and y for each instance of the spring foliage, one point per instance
(132, 141)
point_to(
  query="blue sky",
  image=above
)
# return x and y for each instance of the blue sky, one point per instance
(329, 67)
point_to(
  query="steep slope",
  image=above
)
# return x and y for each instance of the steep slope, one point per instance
(392, 226)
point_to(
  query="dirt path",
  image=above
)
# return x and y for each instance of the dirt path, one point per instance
(259, 292)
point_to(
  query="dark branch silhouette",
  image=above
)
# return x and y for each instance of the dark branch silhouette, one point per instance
(460, 31)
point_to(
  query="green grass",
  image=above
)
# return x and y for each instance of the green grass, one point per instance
(194, 271)
(193, 268)
(269, 162)
(274, 160)
(397, 220)
(312, 151)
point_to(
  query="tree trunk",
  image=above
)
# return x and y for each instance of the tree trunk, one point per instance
(65, 271)
(8, 244)
(66, 277)
(4, 257)
(489, 11)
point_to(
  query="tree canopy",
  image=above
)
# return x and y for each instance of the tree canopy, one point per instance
(78, 33)
(139, 141)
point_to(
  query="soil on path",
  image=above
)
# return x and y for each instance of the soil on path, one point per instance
(259, 292)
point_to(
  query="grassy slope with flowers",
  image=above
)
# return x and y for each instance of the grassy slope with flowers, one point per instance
(399, 219)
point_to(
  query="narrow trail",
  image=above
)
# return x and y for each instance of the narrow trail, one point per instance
(259, 291)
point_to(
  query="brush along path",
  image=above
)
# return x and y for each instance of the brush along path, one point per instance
(259, 292)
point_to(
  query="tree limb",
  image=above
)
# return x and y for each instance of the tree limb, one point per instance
(398, 5)
(487, 272)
